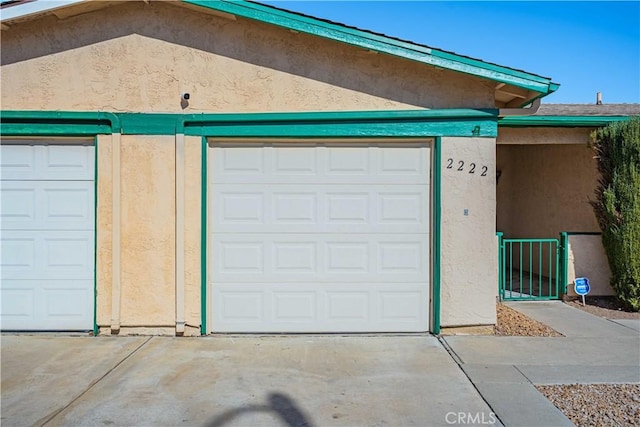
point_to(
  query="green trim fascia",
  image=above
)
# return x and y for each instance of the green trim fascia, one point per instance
(437, 226)
(558, 121)
(380, 43)
(57, 123)
(50, 129)
(95, 237)
(393, 123)
(203, 239)
(148, 123)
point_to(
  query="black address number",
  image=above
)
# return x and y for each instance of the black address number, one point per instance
(471, 168)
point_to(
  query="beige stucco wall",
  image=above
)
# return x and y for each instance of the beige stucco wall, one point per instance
(545, 189)
(147, 218)
(469, 273)
(141, 57)
(588, 259)
(148, 230)
(546, 136)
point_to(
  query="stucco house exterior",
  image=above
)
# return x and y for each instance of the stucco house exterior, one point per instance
(195, 167)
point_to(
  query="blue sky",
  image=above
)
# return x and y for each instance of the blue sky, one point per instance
(587, 47)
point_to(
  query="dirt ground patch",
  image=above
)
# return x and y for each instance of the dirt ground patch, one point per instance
(514, 323)
(596, 404)
(607, 307)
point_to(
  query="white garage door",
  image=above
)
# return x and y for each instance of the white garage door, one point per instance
(320, 238)
(47, 235)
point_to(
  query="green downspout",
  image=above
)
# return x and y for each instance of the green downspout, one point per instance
(95, 237)
(437, 211)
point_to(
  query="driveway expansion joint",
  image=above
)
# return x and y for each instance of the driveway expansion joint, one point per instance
(46, 420)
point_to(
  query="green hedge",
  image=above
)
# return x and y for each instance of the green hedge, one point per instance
(617, 205)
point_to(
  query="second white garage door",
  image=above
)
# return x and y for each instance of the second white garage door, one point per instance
(319, 238)
(47, 235)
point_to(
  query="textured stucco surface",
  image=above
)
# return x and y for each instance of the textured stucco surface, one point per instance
(148, 230)
(546, 136)
(469, 274)
(141, 57)
(545, 189)
(192, 229)
(104, 243)
(587, 258)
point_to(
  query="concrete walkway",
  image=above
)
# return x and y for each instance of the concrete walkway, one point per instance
(505, 369)
(234, 381)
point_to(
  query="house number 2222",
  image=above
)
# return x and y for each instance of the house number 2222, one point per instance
(470, 168)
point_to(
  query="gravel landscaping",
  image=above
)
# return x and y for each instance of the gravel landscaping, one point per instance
(596, 404)
(514, 323)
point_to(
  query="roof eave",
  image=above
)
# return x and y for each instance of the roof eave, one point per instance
(559, 121)
(542, 86)
(537, 85)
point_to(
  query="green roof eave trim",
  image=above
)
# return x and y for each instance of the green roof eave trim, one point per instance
(558, 121)
(58, 123)
(378, 43)
(347, 124)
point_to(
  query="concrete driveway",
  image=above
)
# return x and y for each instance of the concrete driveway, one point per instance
(232, 381)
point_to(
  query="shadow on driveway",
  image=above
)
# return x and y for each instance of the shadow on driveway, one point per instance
(279, 404)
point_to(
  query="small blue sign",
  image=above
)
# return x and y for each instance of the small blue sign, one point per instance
(582, 286)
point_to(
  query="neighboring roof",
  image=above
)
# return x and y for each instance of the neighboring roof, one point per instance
(588, 110)
(573, 115)
(514, 88)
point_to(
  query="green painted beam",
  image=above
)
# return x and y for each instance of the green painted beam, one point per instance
(380, 43)
(52, 129)
(148, 123)
(558, 121)
(57, 123)
(349, 124)
(347, 130)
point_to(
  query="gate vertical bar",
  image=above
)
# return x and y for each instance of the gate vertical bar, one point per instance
(551, 266)
(500, 266)
(510, 269)
(520, 247)
(540, 251)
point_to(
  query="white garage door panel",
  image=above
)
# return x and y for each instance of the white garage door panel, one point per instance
(47, 205)
(297, 257)
(329, 165)
(47, 236)
(334, 208)
(47, 254)
(47, 304)
(336, 307)
(320, 239)
(47, 162)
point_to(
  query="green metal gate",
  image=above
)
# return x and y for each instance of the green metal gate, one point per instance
(531, 269)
